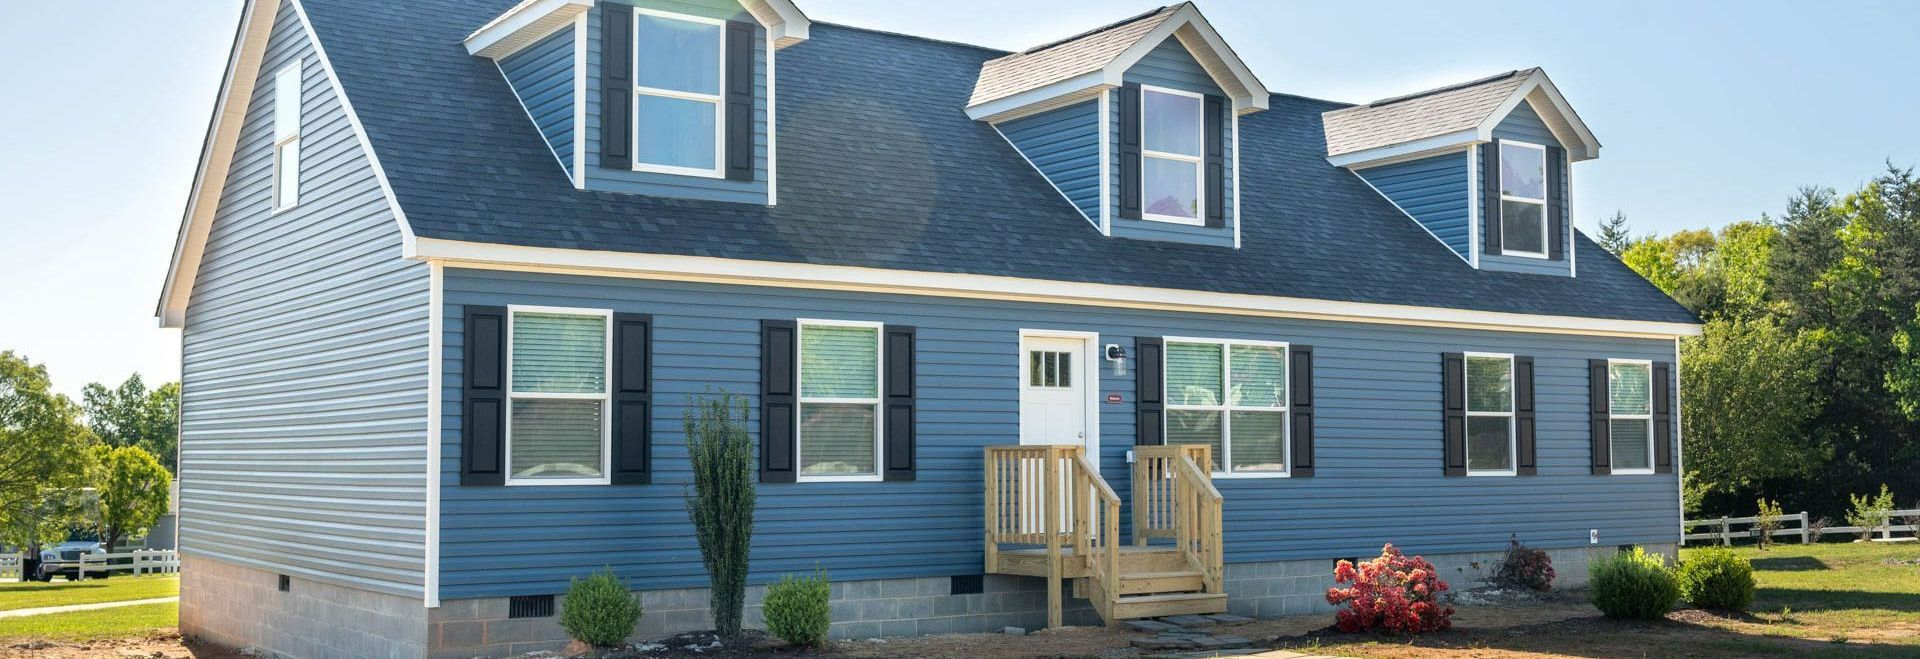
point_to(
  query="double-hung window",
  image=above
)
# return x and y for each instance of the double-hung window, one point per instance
(1173, 149)
(1523, 199)
(1490, 431)
(839, 430)
(286, 136)
(679, 69)
(1630, 412)
(1232, 396)
(557, 421)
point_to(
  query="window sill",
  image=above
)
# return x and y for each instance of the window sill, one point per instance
(1490, 474)
(874, 478)
(1525, 255)
(1170, 219)
(1250, 475)
(534, 482)
(1631, 472)
(678, 171)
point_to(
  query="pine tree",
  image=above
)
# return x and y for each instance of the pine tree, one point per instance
(1614, 234)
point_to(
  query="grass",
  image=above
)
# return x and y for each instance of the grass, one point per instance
(1860, 591)
(97, 624)
(33, 594)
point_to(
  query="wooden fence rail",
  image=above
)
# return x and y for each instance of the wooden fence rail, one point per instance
(11, 566)
(1723, 528)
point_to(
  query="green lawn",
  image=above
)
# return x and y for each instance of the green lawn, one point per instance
(33, 595)
(1855, 591)
(97, 624)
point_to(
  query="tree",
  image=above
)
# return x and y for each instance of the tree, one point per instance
(721, 502)
(132, 415)
(1614, 234)
(130, 492)
(45, 451)
(1750, 389)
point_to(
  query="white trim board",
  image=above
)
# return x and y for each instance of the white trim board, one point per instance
(833, 277)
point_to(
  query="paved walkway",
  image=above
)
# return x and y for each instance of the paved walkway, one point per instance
(17, 613)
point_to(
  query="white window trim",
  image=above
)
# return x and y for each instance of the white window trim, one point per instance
(1513, 439)
(1226, 408)
(606, 412)
(718, 99)
(801, 400)
(1648, 417)
(281, 142)
(1546, 187)
(1199, 162)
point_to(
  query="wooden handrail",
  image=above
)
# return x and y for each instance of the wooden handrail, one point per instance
(1052, 496)
(1199, 533)
(1102, 547)
(1153, 512)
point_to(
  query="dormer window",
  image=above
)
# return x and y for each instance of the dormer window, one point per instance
(1523, 199)
(1172, 135)
(679, 64)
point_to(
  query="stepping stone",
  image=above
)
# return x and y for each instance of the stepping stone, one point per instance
(1163, 643)
(1234, 641)
(1230, 619)
(1189, 621)
(1150, 626)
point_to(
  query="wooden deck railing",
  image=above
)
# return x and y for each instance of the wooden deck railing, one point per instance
(1052, 496)
(1197, 510)
(1153, 486)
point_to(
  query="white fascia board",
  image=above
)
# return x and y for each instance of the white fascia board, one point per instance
(1588, 146)
(786, 24)
(1041, 99)
(1252, 94)
(1403, 151)
(522, 25)
(461, 254)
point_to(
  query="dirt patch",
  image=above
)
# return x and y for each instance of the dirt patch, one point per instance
(163, 645)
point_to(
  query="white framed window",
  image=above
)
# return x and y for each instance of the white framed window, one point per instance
(1523, 199)
(558, 365)
(286, 136)
(679, 76)
(839, 434)
(1490, 424)
(1172, 155)
(1231, 395)
(1630, 415)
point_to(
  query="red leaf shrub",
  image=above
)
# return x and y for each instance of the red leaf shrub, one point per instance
(1524, 567)
(1391, 593)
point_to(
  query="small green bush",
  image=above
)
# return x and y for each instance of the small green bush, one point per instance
(796, 609)
(1634, 584)
(1717, 578)
(599, 610)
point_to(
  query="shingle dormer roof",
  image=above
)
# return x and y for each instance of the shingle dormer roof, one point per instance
(1451, 116)
(1061, 60)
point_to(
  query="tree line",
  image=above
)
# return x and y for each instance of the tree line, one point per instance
(1805, 385)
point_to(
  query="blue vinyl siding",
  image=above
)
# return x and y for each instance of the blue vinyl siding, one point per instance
(304, 360)
(1434, 191)
(1064, 144)
(672, 185)
(1524, 125)
(1379, 457)
(1170, 65)
(542, 76)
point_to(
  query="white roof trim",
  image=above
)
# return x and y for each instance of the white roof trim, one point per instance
(1194, 32)
(521, 26)
(223, 136)
(1553, 109)
(1393, 153)
(785, 23)
(493, 256)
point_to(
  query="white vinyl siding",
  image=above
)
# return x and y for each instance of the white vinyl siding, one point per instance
(1232, 396)
(557, 421)
(1630, 416)
(839, 430)
(1490, 431)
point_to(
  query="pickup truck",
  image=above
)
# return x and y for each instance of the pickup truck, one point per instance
(64, 560)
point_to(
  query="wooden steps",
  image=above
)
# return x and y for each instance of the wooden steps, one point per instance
(1141, 583)
(1128, 607)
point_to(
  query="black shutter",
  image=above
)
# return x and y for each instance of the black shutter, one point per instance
(484, 397)
(779, 346)
(1600, 441)
(1300, 382)
(900, 403)
(1556, 203)
(1130, 150)
(739, 101)
(1453, 404)
(616, 86)
(1490, 194)
(1216, 149)
(1662, 418)
(1525, 462)
(632, 398)
(1149, 383)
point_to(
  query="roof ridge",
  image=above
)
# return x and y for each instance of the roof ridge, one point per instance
(1087, 33)
(1448, 88)
(916, 37)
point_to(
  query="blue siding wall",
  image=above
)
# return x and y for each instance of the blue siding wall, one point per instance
(1434, 191)
(1378, 397)
(670, 185)
(542, 76)
(1064, 145)
(303, 413)
(1170, 65)
(1524, 124)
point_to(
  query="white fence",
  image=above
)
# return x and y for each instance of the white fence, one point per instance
(10, 565)
(144, 561)
(1724, 528)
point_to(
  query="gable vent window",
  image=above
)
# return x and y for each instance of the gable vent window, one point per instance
(286, 137)
(530, 606)
(678, 82)
(1173, 150)
(1523, 199)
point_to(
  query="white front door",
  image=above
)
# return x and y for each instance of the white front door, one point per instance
(1053, 393)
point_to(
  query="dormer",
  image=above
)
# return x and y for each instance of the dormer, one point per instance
(1483, 166)
(652, 97)
(1135, 123)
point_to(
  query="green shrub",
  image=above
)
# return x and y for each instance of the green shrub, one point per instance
(1633, 584)
(599, 610)
(1870, 512)
(1717, 578)
(1766, 522)
(796, 609)
(720, 503)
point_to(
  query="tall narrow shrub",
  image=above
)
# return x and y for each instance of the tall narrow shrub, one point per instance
(720, 503)
(1766, 522)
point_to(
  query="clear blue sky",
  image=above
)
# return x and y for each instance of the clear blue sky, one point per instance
(1709, 112)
